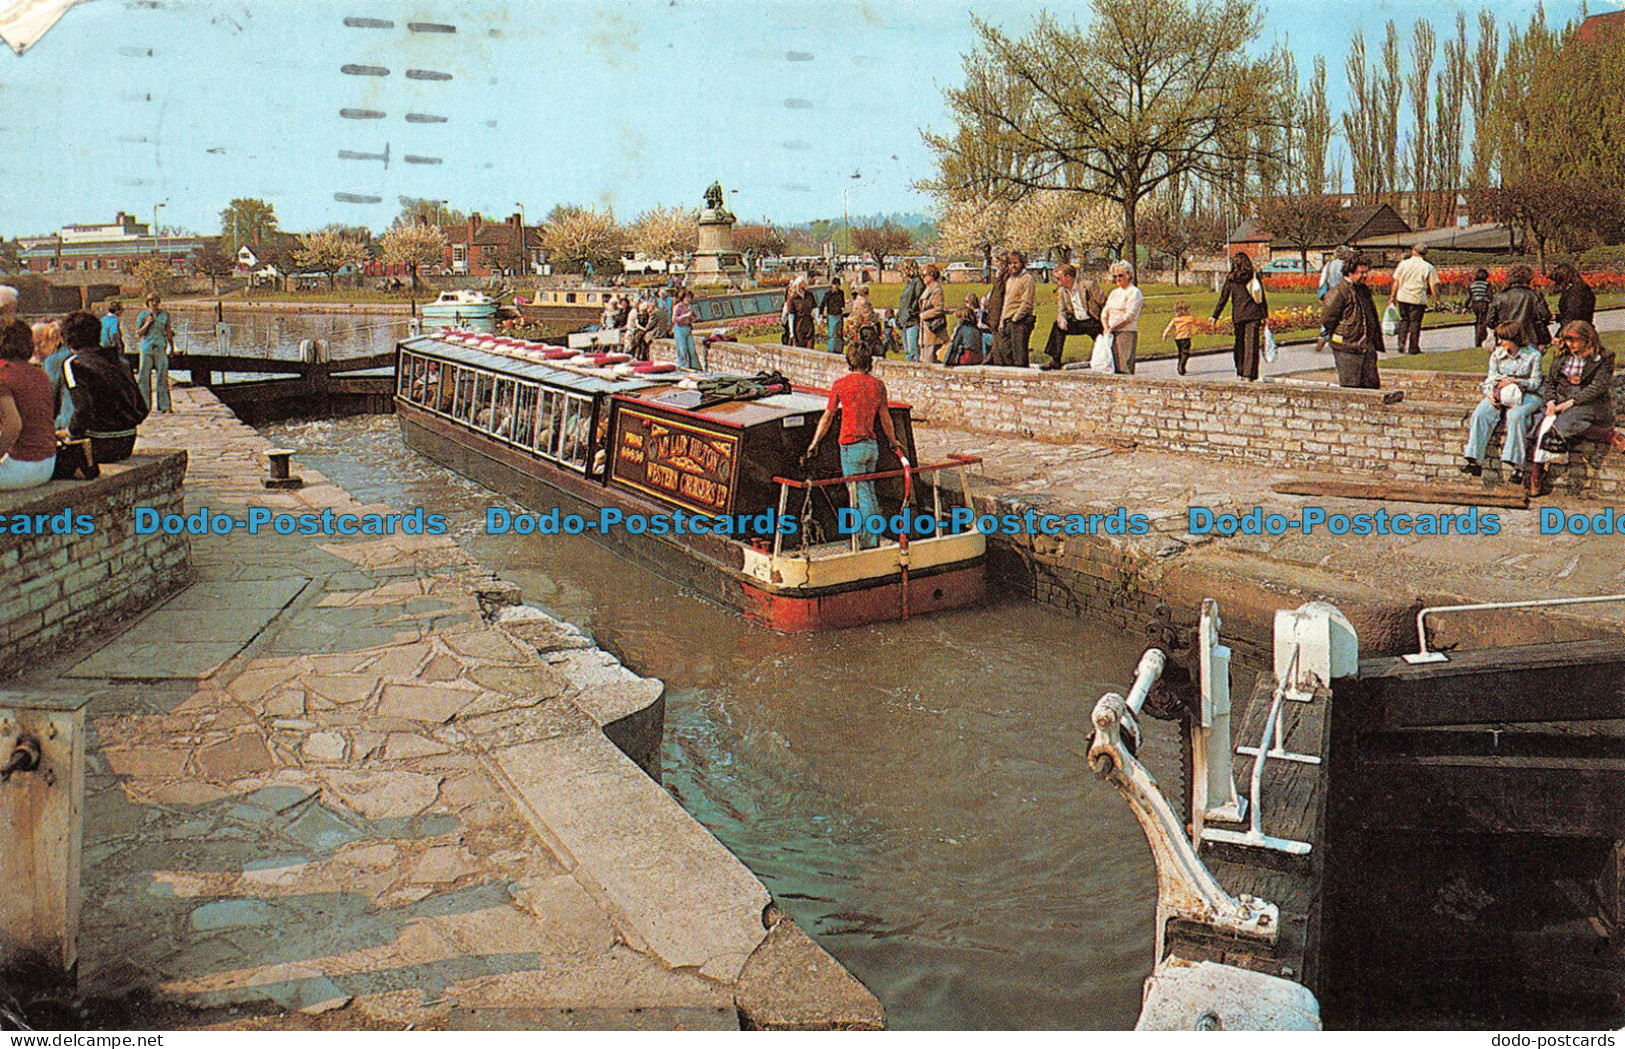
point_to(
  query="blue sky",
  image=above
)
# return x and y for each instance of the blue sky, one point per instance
(624, 102)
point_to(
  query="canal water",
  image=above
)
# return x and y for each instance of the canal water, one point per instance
(915, 795)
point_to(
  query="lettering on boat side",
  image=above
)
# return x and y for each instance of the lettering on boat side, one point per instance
(686, 465)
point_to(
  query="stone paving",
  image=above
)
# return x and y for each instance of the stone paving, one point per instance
(1391, 572)
(379, 793)
(1298, 356)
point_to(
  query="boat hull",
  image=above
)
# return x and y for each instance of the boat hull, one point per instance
(703, 563)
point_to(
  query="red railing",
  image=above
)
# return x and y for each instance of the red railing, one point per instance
(954, 461)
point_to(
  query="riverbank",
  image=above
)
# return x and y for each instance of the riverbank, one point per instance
(1380, 581)
(351, 783)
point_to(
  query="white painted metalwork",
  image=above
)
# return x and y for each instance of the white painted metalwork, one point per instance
(1213, 781)
(1423, 655)
(1254, 835)
(1185, 887)
(1326, 647)
(1183, 995)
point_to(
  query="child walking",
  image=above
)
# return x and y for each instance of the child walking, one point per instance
(1182, 326)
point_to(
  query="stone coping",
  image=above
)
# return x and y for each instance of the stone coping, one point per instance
(57, 496)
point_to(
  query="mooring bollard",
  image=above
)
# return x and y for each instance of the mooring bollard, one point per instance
(281, 469)
(42, 796)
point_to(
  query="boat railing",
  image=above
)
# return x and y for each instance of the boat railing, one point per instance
(908, 472)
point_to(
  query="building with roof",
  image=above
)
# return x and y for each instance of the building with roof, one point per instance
(111, 246)
(1606, 26)
(487, 249)
(1359, 222)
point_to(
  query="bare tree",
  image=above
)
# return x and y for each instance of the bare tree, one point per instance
(1481, 92)
(1448, 103)
(1419, 161)
(1152, 90)
(1390, 87)
(1361, 125)
(882, 241)
(1302, 222)
(1316, 124)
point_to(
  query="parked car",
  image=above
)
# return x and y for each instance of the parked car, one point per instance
(1289, 264)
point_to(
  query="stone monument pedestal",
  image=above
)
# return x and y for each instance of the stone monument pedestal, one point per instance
(715, 260)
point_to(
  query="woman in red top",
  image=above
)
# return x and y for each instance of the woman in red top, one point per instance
(862, 401)
(27, 436)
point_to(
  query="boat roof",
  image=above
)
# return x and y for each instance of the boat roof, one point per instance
(735, 413)
(511, 357)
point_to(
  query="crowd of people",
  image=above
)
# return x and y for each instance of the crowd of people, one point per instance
(1544, 405)
(66, 381)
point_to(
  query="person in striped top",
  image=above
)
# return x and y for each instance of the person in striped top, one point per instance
(1479, 296)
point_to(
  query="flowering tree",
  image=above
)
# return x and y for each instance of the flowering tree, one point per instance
(578, 237)
(413, 246)
(664, 233)
(972, 225)
(329, 251)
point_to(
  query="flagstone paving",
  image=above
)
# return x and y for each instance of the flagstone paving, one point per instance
(1392, 574)
(387, 800)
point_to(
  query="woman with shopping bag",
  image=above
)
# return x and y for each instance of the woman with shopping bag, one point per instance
(1249, 308)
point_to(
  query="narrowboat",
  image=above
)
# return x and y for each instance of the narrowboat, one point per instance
(589, 433)
(585, 305)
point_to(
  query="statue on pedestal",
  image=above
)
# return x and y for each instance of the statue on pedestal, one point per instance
(716, 261)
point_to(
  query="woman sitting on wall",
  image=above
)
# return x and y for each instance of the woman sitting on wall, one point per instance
(1577, 388)
(1511, 387)
(27, 438)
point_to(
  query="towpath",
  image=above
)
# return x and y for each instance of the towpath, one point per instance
(1298, 357)
(349, 782)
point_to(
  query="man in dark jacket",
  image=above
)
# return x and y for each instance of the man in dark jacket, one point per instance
(1577, 301)
(1520, 304)
(1349, 318)
(992, 306)
(107, 404)
(908, 309)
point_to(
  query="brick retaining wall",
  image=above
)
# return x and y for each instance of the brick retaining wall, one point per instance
(1279, 424)
(57, 589)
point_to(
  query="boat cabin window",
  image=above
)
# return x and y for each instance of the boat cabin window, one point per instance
(576, 433)
(547, 429)
(524, 415)
(569, 296)
(484, 387)
(463, 411)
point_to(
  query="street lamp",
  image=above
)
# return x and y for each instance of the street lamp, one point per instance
(155, 207)
(524, 249)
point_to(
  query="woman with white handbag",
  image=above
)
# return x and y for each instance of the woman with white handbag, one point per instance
(1249, 309)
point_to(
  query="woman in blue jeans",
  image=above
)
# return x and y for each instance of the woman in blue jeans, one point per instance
(682, 330)
(1512, 386)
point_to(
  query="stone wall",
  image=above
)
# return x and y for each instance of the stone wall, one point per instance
(57, 589)
(1281, 424)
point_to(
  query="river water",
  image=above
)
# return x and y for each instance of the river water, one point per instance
(914, 795)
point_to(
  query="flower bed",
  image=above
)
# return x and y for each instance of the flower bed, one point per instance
(1454, 279)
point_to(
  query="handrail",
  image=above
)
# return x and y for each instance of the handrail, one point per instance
(1423, 655)
(1254, 834)
(954, 460)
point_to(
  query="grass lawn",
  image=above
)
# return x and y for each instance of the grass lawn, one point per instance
(1475, 361)
(1160, 300)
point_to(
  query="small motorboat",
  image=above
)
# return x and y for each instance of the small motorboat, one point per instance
(462, 305)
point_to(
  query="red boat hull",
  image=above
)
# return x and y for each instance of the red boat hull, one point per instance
(956, 588)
